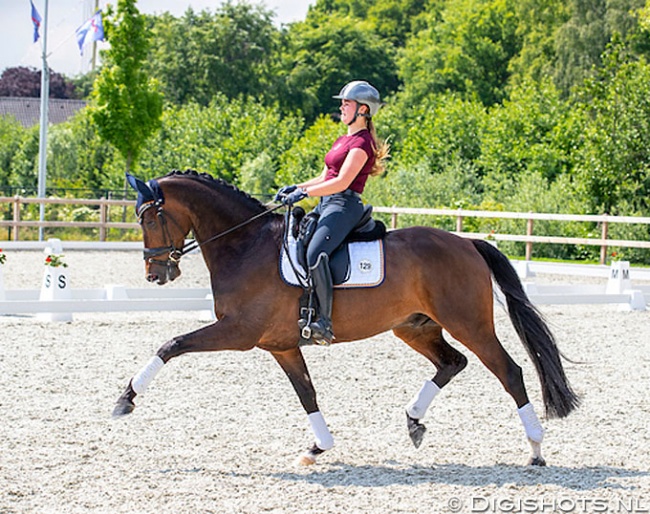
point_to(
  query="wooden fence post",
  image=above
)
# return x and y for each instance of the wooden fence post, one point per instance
(459, 221)
(603, 235)
(102, 219)
(16, 236)
(529, 244)
(393, 221)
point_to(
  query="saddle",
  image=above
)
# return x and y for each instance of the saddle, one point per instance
(304, 225)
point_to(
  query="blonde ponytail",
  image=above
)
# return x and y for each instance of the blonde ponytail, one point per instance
(381, 149)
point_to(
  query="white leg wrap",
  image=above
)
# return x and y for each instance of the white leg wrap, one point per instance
(141, 381)
(418, 406)
(532, 426)
(324, 439)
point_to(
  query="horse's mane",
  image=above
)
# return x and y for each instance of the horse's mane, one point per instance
(219, 185)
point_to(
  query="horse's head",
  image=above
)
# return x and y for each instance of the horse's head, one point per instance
(162, 231)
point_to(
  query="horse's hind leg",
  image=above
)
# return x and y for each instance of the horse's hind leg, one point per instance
(293, 364)
(425, 336)
(489, 350)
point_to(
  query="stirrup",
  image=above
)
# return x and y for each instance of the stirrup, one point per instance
(322, 335)
(304, 323)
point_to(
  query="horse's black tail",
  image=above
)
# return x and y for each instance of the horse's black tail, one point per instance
(559, 398)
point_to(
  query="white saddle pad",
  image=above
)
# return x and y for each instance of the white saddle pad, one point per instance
(366, 265)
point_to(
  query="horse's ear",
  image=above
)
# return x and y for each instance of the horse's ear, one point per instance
(142, 188)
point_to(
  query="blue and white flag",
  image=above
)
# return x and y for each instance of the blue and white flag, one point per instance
(91, 29)
(36, 20)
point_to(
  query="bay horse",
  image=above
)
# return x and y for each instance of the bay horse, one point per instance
(434, 280)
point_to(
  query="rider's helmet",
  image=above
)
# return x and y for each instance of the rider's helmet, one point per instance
(363, 93)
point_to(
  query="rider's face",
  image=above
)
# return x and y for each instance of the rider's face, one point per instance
(347, 109)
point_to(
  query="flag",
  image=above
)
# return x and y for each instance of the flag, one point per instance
(36, 20)
(94, 26)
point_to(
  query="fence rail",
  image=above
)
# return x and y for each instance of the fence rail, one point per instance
(104, 224)
(529, 238)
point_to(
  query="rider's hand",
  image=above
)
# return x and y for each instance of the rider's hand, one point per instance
(294, 197)
(284, 191)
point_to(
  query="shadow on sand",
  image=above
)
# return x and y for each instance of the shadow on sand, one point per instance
(392, 473)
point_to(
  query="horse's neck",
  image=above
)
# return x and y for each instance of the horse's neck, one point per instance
(219, 219)
(212, 210)
(240, 257)
(230, 233)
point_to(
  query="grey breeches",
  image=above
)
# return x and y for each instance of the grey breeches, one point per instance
(339, 214)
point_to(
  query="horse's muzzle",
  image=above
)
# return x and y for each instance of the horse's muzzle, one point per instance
(162, 272)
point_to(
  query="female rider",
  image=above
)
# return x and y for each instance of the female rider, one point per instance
(351, 160)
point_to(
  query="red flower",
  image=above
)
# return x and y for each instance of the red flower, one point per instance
(48, 259)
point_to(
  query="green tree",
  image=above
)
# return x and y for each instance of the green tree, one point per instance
(257, 176)
(456, 185)
(221, 139)
(24, 161)
(200, 54)
(524, 134)
(322, 55)
(344, 8)
(395, 20)
(582, 39)
(444, 129)
(79, 158)
(126, 103)
(612, 164)
(538, 24)
(466, 47)
(11, 136)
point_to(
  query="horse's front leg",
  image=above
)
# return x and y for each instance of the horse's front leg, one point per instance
(226, 334)
(293, 364)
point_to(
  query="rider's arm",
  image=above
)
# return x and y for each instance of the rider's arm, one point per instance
(352, 165)
(316, 180)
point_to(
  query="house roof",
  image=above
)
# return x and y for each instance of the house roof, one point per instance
(28, 110)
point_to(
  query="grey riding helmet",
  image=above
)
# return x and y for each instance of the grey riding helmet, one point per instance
(363, 93)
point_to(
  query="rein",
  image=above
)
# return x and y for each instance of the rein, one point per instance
(175, 254)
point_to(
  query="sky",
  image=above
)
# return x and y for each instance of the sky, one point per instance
(64, 16)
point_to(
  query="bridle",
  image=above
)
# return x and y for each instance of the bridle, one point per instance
(174, 253)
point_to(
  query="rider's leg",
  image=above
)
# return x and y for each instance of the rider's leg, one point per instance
(321, 329)
(339, 214)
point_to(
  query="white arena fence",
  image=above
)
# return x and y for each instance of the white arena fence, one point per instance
(111, 298)
(58, 303)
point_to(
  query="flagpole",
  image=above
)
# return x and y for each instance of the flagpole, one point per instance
(94, 42)
(42, 144)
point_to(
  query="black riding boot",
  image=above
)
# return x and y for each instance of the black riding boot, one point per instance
(321, 329)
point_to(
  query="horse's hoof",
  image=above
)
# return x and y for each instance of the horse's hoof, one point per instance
(123, 407)
(306, 459)
(416, 430)
(309, 457)
(537, 461)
